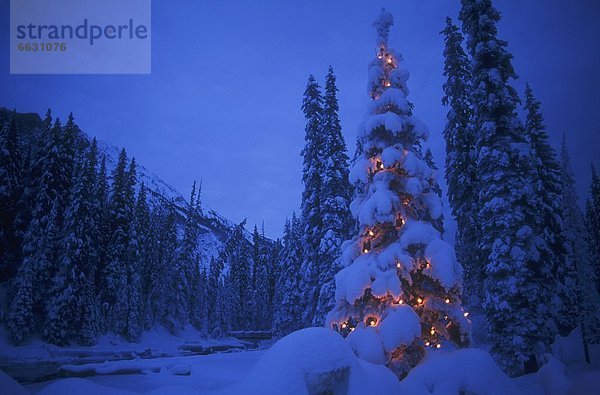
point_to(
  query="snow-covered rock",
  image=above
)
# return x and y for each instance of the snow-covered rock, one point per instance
(314, 360)
(470, 371)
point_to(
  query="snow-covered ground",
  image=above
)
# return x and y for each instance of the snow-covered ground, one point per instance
(305, 362)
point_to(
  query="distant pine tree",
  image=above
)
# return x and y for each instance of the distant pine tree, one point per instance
(593, 223)
(273, 273)
(289, 296)
(213, 286)
(73, 312)
(578, 255)
(236, 255)
(167, 290)
(190, 260)
(11, 191)
(48, 194)
(145, 254)
(115, 290)
(260, 282)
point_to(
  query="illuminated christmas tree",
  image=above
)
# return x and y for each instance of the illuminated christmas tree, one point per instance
(399, 292)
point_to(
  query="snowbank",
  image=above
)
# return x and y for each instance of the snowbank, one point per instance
(553, 377)
(314, 360)
(9, 386)
(80, 386)
(461, 371)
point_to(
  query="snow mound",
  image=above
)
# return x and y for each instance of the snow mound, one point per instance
(469, 371)
(80, 386)
(313, 360)
(553, 377)
(10, 386)
(587, 383)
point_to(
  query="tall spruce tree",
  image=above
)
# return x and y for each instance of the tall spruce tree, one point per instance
(312, 106)
(578, 254)
(518, 286)
(400, 289)
(336, 194)
(547, 182)
(461, 169)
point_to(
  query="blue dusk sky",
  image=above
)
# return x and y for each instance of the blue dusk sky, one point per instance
(222, 103)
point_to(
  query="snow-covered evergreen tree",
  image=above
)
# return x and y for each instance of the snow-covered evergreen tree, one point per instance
(220, 322)
(547, 181)
(144, 257)
(289, 298)
(190, 261)
(273, 274)
(312, 171)
(102, 202)
(165, 273)
(262, 319)
(213, 289)
(518, 286)
(236, 255)
(461, 169)
(400, 289)
(115, 291)
(593, 223)
(48, 196)
(336, 193)
(11, 191)
(576, 238)
(73, 312)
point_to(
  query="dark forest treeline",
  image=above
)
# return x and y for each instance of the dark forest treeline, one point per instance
(85, 251)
